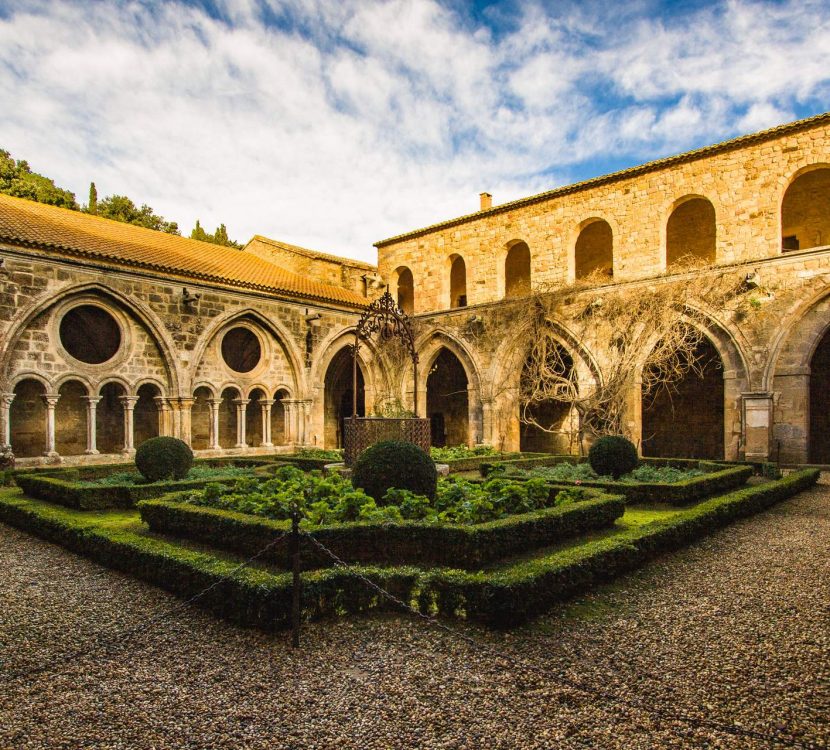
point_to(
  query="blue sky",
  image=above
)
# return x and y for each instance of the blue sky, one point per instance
(332, 124)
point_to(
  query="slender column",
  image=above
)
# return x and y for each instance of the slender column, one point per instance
(287, 411)
(165, 421)
(91, 426)
(241, 419)
(472, 416)
(306, 420)
(51, 402)
(267, 403)
(5, 423)
(181, 417)
(215, 403)
(129, 432)
(290, 420)
(487, 420)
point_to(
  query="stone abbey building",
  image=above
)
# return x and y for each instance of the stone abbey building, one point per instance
(111, 334)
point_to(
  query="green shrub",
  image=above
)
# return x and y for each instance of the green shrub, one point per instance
(614, 455)
(394, 464)
(162, 458)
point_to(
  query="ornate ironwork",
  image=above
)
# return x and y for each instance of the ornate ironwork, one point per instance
(385, 318)
(361, 432)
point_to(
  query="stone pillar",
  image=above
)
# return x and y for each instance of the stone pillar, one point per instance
(757, 422)
(286, 415)
(241, 421)
(5, 423)
(305, 419)
(487, 420)
(267, 403)
(291, 409)
(50, 401)
(129, 433)
(215, 403)
(473, 436)
(91, 425)
(181, 417)
(165, 420)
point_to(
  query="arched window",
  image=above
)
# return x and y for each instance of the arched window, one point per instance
(517, 270)
(458, 282)
(406, 290)
(594, 251)
(690, 232)
(805, 212)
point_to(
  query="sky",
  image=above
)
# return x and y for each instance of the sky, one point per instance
(332, 124)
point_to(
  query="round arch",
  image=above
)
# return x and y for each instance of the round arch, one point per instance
(688, 226)
(801, 227)
(604, 249)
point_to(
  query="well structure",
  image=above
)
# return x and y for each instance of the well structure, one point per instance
(384, 319)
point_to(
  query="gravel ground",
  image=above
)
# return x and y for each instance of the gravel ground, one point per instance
(734, 629)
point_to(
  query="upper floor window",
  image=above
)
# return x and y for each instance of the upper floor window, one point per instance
(406, 290)
(691, 232)
(517, 270)
(594, 251)
(805, 211)
(458, 282)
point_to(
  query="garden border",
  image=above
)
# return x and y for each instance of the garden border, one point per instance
(503, 598)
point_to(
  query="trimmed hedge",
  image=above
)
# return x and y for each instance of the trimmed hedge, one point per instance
(503, 598)
(473, 463)
(408, 543)
(99, 497)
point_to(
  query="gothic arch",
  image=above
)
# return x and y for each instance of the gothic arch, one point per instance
(130, 305)
(429, 346)
(276, 330)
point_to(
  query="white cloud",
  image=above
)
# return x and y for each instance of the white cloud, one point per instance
(359, 119)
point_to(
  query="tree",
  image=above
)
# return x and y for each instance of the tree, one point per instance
(219, 237)
(92, 207)
(121, 208)
(17, 179)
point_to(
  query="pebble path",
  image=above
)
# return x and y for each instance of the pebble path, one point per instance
(733, 629)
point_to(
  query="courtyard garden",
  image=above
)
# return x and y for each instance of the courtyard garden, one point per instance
(499, 540)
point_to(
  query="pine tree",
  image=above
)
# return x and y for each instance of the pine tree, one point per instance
(92, 208)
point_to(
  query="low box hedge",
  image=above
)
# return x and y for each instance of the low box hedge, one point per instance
(473, 463)
(502, 598)
(74, 494)
(409, 543)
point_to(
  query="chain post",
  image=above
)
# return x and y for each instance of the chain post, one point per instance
(295, 569)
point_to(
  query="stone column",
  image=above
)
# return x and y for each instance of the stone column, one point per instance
(5, 422)
(487, 420)
(91, 426)
(51, 402)
(290, 420)
(129, 433)
(241, 420)
(165, 422)
(305, 417)
(215, 403)
(181, 417)
(267, 403)
(472, 416)
(757, 422)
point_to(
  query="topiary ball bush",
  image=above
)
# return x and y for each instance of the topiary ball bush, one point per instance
(614, 455)
(163, 458)
(394, 463)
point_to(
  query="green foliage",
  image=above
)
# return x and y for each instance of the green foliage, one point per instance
(614, 455)
(161, 458)
(121, 208)
(198, 473)
(92, 206)
(582, 472)
(219, 237)
(455, 452)
(318, 454)
(505, 597)
(17, 179)
(394, 464)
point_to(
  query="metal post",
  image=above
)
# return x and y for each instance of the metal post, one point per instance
(295, 587)
(354, 379)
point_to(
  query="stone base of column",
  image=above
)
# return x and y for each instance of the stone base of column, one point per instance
(92, 453)
(241, 445)
(128, 452)
(266, 445)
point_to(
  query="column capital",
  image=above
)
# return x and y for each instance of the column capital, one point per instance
(242, 401)
(267, 401)
(91, 400)
(50, 400)
(6, 399)
(128, 401)
(217, 402)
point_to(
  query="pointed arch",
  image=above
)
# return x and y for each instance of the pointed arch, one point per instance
(143, 314)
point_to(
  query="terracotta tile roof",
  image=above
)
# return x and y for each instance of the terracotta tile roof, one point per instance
(31, 224)
(314, 254)
(652, 166)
